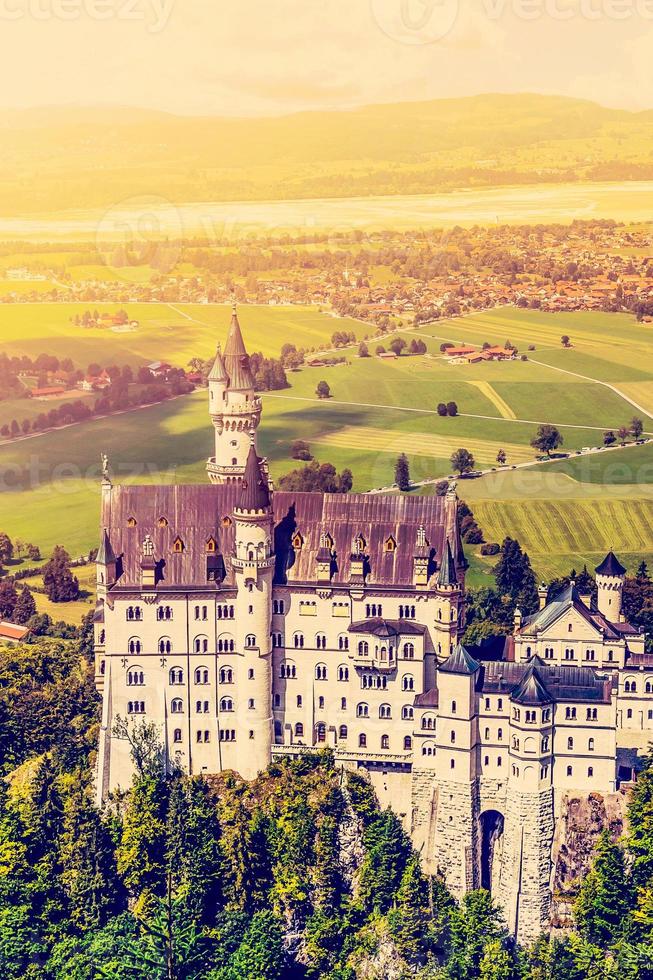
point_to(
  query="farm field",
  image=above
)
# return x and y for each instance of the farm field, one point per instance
(562, 523)
(49, 485)
(171, 333)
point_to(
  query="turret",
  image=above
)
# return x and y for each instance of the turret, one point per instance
(610, 576)
(234, 406)
(105, 564)
(253, 566)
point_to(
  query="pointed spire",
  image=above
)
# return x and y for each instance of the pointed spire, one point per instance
(461, 560)
(236, 358)
(255, 490)
(105, 555)
(235, 345)
(447, 575)
(218, 371)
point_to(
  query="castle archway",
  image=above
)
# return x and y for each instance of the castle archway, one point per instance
(492, 824)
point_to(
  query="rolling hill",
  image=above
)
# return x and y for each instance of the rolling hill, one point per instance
(50, 158)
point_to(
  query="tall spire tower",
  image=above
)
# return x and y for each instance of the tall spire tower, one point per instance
(234, 406)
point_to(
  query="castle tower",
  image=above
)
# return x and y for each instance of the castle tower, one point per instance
(253, 565)
(451, 608)
(610, 575)
(456, 842)
(234, 406)
(525, 866)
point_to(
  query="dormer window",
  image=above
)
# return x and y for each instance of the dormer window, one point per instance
(132, 522)
(226, 522)
(211, 546)
(360, 544)
(390, 546)
(328, 541)
(297, 541)
(178, 546)
(163, 522)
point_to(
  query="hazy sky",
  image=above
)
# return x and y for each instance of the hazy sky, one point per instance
(270, 56)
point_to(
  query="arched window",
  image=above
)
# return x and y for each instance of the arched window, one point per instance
(176, 675)
(299, 640)
(250, 640)
(201, 644)
(407, 712)
(428, 748)
(570, 743)
(320, 672)
(177, 735)
(343, 642)
(590, 745)
(134, 645)
(320, 732)
(201, 675)
(226, 675)
(320, 641)
(177, 706)
(408, 743)
(299, 730)
(362, 710)
(409, 651)
(385, 711)
(362, 741)
(178, 546)
(343, 672)
(278, 607)
(287, 670)
(385, 741)
(165, 645)
(342, 731)
(407, 682)
(226, 643)
(135, 678)
(226, 704)
(363, 648)
(453, 707)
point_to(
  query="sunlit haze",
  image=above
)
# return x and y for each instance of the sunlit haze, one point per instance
(272, 56)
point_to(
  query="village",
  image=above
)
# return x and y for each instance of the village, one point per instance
(391, 278)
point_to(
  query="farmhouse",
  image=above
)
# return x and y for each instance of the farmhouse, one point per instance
(11, 634)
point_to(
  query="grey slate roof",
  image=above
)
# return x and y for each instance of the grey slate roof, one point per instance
(196, 513)
(561, 683)
(447, 573)
(236, 359)
(105, 555)
(255, 493)
(530, 689)
(611, 566)
(388, 627)
(460, 662)
(564, 600)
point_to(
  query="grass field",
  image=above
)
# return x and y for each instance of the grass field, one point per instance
(171, 333)
(565, 513)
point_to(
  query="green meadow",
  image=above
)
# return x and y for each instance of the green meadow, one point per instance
(565, 512)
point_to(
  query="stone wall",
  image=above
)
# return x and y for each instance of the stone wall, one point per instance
(580, 821)
(456, 845)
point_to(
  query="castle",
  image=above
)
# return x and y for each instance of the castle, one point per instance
(248, 624)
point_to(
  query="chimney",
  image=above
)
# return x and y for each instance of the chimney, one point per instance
(543, 594)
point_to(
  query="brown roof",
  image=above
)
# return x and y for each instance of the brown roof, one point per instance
(10, 631)
(197, 513)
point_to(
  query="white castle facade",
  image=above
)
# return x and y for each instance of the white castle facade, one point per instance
(248, 624)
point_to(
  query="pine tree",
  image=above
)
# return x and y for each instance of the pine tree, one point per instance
(87, 860)
(8, 598)
(408, 922)
(605, 899)
(193, 854)
(515, 577)
(141, 849)
(474, 923)
(402, 473)
(25, 606)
